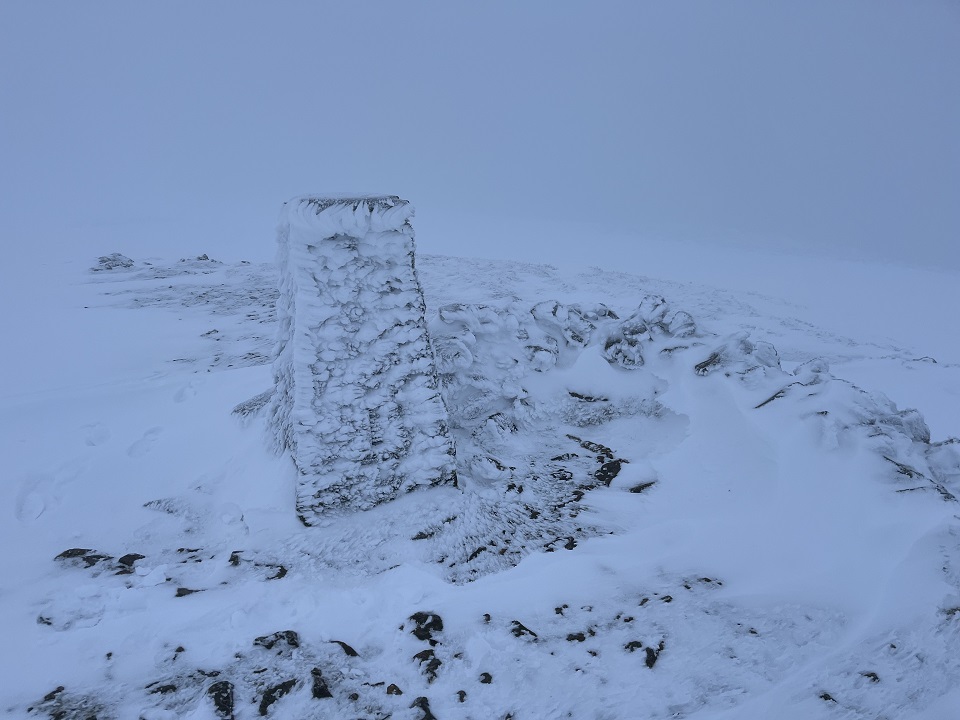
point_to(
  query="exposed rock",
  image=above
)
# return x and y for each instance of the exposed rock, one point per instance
(426, 623)
(346, 648)
(285, 637)
(608, 471)
(319, 689)
(424, 705)
(652, 654)
(221, 693)
(520, 630)
(429, 662)
(82, 557)
(113, 261)
(272, 694)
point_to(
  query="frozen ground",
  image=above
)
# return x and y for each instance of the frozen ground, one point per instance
(721, 518)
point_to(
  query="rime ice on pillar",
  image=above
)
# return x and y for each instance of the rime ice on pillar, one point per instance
(357, 400)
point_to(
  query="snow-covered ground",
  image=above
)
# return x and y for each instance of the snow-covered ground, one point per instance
(716, 518)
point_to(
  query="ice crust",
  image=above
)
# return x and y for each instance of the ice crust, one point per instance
(356, 402)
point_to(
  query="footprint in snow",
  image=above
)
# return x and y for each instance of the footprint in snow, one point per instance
(95, 434)
(34, 497)
(185, 393)
(143, 445)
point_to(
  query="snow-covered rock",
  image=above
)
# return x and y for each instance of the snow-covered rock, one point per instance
(113, 261)
(356, 401)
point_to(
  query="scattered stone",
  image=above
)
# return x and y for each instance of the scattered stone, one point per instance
(871, 676)
(462, 695)
(519, 630)
(681, 324)
(281, 572)
(320, 689)
(576, 637)
(130, 559)
(275, 693)
(113, 261)
(587, 398)
(429, 662)
(596, 448)
(643, 486)
(426, 624)
(623, 350)
(476, 553)
(392, 689)
(221, 693)
(486, 678)
(607, 472)
(424, 705)
(84, 556)
(633, 645)
(183, 592)
(53, 693)
(163, 689)
(827, 697)
(346, 648)
(286, 636)
(653, 655)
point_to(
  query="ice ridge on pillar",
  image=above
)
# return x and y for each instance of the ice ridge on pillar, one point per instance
(357, 400)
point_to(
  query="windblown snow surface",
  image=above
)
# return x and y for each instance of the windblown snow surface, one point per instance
(674, 502)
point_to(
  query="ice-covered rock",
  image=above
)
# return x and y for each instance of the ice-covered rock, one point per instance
(357, 401)
(113, 261)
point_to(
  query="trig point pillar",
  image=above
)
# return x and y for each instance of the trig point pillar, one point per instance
(357, 402)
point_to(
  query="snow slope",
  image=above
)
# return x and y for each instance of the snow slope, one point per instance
(661, 514)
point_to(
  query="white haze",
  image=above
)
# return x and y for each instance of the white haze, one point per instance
(816, 127)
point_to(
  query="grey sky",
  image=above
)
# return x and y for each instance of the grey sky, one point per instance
(174, 127)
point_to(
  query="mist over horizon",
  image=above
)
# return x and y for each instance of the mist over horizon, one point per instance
(823, 129)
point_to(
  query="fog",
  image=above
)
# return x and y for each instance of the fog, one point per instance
(537, 130)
